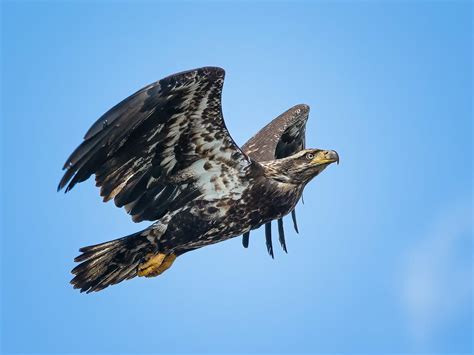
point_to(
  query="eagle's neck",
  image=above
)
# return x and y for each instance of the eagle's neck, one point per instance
(277, 171)
(285, 192)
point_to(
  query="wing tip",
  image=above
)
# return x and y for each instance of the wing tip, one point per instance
(303, 107)
(268, 238)
(245, 239)
(64, 180)
(298, 112)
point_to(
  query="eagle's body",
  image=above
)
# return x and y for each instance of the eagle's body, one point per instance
(203, 222)
(165, 155)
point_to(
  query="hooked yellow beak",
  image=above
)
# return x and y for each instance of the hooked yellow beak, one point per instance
(325, 157)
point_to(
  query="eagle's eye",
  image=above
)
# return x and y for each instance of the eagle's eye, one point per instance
(309, 156)
(298, 111)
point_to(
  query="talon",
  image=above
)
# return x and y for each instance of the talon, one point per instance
(156, 264)
(166, 264)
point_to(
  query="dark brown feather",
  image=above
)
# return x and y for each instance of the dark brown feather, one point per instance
(140, 145)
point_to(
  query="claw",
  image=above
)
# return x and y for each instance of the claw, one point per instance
(156, 264)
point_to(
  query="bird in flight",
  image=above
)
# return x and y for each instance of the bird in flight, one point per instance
(165, 155)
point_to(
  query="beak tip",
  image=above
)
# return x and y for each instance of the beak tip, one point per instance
(336, 156)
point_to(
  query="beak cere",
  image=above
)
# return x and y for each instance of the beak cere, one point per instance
(326, 157)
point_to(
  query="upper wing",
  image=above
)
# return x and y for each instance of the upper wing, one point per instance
(282, 137)
(150, 151)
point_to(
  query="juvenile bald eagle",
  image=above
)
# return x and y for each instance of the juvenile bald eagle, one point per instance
(165, 154)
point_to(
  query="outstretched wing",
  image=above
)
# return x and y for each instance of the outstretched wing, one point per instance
(282, 137)
(149, 153)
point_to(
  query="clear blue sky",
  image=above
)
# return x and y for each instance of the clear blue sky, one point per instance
(383, 262)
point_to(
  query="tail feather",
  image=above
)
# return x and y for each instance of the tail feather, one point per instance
(109, 263)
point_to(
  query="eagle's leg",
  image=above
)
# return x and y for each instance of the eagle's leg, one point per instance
(156, 264)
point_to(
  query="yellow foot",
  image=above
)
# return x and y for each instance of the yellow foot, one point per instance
(156, 264)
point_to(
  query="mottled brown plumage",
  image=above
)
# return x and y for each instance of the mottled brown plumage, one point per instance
(165, 155)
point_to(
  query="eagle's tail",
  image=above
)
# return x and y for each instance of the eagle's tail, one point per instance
(112, 262)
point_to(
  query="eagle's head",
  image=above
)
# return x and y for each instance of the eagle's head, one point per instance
(301, 167)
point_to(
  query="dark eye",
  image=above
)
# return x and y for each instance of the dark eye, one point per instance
(309, 156)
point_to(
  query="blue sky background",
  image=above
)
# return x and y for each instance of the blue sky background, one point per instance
(383, 262)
